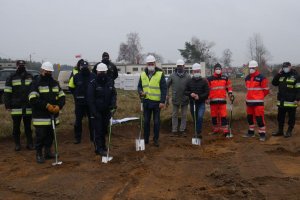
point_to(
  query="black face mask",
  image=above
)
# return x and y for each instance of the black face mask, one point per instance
(180, 69)
(85, 71)
(105, 61)
(47, 75)
(101, 77)
(21, 69)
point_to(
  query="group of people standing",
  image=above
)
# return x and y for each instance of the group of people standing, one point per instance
(39, 99)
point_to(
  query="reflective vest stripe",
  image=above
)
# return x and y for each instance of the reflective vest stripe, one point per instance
(28, 111)
(297, 85)
(28, 81)
(43, 122)
(218, 88)
(33, 95)
(257, 88)
(61, 94)
(8, 89)
(287, 104)
(218, 99)
(254, 101)
(16, 82)
(43, 89)
(55, 89)
(16, 111)
(289, 86)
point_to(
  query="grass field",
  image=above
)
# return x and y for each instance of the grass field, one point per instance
(129, 106)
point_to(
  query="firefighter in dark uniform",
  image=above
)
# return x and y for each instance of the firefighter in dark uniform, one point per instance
(102, 98)
(47, 99)
(112, 70)
(288, 82)
(17, 88)
(78, 85)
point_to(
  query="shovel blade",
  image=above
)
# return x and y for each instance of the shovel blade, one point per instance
(57, 163)
(106, 159)
(140, 144)
(196, 141)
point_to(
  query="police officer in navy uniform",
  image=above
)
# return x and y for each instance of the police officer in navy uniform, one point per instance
(47, 99)
(78, 86)
(102, 98)
(288, 82)
(17, 88)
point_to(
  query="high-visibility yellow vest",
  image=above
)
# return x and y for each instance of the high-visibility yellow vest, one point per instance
(71, 81)
(152, 87)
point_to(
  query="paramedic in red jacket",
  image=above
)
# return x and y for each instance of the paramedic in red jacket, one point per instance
(219, 86)
(257, 90)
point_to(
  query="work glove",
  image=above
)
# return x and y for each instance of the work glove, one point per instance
(50, 108)
(56, 109)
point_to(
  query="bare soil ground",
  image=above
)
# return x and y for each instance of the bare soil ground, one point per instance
(221, 168)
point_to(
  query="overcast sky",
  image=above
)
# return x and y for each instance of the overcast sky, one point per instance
(56, 30)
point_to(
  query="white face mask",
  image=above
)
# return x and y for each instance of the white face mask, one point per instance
(218, 71)
(151, 68)
(197, 75)
(286, 69)
(251, 71)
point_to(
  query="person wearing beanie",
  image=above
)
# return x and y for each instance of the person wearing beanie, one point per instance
(219, 86)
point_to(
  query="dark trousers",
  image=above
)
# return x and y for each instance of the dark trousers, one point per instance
(200, 109)
(101, 123)
(281, 116)
(44, 137)
(27, 126)
(80, 112)
(149, 109)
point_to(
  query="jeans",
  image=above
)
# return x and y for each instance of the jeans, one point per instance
(149, 109)
(175, 117)
(200, 109)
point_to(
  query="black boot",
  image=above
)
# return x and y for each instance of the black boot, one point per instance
(288, 132)
(39, 156)
(17, 142)
(18, 147)
(48, 154)
(30, 146)
(279, 132)
(249, 134)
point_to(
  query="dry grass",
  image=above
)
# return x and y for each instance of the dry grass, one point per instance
(129, 106)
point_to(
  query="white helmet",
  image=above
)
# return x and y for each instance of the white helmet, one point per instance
(253, 64)
(196, 66)
(101, 67)
(47, 66)
(150, 59)
(179, 62)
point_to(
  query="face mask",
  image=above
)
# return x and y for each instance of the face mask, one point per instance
(251, 71)
(48, 75)
(85, 70)
(286, 69)
(218, 71)
(21, 69)
(151, 68)
(105, 61)
(180, 69)
(197, 75)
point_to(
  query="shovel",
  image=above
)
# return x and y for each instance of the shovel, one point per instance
(140, 143)
(107, 158)
(195, 140)
(55, 142)
(230, 120)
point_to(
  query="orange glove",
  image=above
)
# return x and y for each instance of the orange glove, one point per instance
(50, 108)
(56, 109)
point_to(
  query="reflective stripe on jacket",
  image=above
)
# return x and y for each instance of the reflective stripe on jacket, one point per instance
(257, 89)
(219, 86)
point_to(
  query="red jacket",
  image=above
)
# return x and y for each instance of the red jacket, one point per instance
(219, 85)
(257, 87)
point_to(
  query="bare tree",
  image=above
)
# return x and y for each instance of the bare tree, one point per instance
(258, 51)
(131, 51)
(227, 58)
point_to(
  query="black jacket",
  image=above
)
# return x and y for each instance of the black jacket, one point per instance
(112, 69)
(162, 84)
(198, 86)
(102, 95)
(17, 88)
(81, 82)
(288, 86)
(45, 90)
